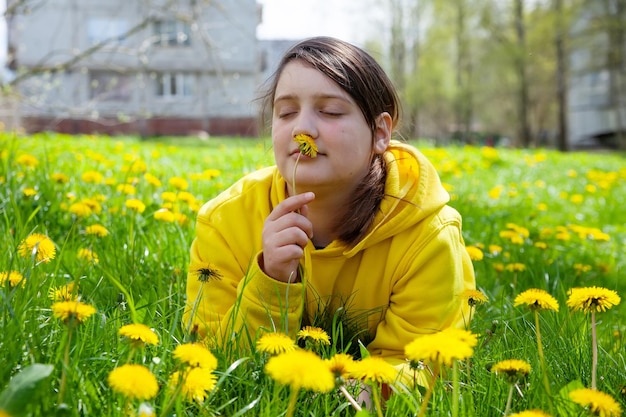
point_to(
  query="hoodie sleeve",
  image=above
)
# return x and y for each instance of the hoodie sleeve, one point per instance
(427, 295)
(238, 296)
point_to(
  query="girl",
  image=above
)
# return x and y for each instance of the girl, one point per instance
(361, 231)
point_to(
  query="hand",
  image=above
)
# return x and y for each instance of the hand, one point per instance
(286, 232)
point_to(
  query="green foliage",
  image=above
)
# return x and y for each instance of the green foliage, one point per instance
(567, 208)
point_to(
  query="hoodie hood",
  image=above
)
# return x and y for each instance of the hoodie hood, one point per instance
(413, 191)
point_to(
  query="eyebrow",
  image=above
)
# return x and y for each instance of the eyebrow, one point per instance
(316, 96)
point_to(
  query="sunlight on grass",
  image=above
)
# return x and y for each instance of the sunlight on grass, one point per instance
(107, 223)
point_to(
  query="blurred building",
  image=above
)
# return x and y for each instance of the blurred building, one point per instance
(153, 67)
(597, 85)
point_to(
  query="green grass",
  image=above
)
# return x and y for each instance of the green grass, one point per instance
(560, 200)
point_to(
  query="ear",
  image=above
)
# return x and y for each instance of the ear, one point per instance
(382, 133)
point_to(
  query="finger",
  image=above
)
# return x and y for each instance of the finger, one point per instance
(290, 204)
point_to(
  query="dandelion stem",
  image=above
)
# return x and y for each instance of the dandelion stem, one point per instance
(429, 392)
(66, 363)
(455, 389)
(293, 177)
(350, 398)
(376, 399)
(292, 402)
(594, 350)
(542, 361)
(509, 399)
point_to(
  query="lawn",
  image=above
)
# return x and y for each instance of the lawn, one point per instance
(96, 233)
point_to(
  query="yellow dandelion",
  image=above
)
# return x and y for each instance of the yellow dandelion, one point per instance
(92, 177)
(88, 255)
(314, 334)
(97, 230)
(164, 215)
(72, 311)
(589, 299)
(195, 355)
(301, 369)
(168, 196)
(511, 369)
(186, 197)
(29, 192)
(442, 347)
(80, 209)
(515, 267)
(537, 299)
(127, 189)
(133, 381)
(38, 245)
(178, 183)
(474, 253)
(63, 293)
(13, 278)
(139, 334)
(530, 413)
(59, 178)
(306, 144)
(374, 369)
(341, 365)
(275, 343)
(135, 205)
(599, 403)
(474, 297)
(152, 180)
(196, 383)
(27, 160)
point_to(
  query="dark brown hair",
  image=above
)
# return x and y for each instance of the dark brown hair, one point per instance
(359, 75)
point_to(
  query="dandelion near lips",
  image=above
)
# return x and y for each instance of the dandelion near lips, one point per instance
(307, 147)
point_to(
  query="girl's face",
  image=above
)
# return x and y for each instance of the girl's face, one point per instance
(307, 101)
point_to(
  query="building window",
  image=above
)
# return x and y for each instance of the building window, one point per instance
(174, 84)
(110, 86)
(172, 33)
(107, 29)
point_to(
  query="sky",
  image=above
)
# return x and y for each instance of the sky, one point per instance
(351, 20)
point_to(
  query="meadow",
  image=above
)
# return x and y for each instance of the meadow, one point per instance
(94, 256)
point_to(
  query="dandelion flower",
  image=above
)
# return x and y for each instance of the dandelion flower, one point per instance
(443, 347)
(306, 144)
(70, 311)
(139, 333)
(59, 178)
(512, 369)
(599, 403)
(590, 299)
(195, 355)
(88, 255)
(178, 183)
(341, 365)
(40, 245)
(275, 343)
(301, 369)
(196, 383)
(537, 299)
(80, 209)
(133, 381)
(27, 160)
(374, 369)
(475, 253)
(135, 205)
(314, 334)
(63, 293)
(474, 297)
(13, 278)
(530, 413)
(164, 215)
(97, 230)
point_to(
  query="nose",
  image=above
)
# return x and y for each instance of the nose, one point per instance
(304, 124)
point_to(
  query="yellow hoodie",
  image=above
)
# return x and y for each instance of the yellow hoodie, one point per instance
(405, 278)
